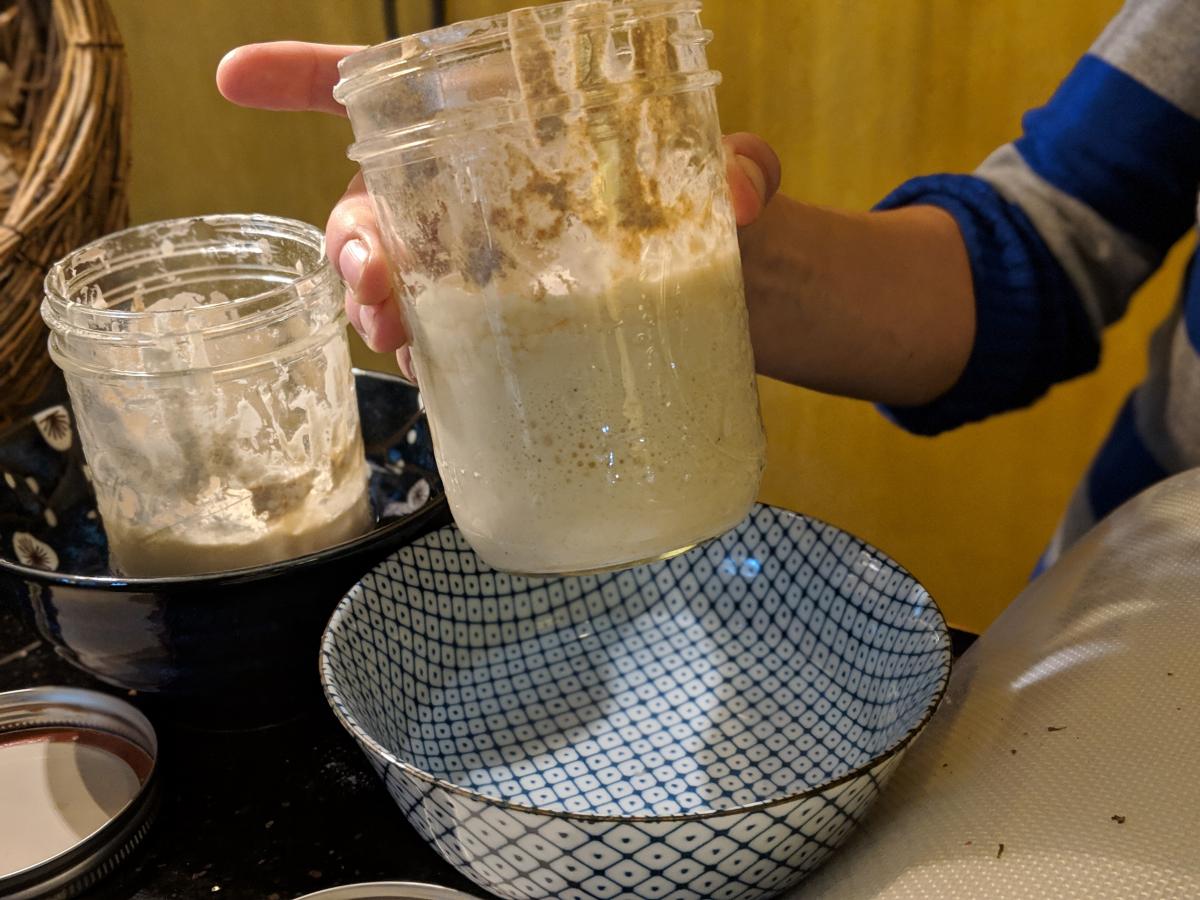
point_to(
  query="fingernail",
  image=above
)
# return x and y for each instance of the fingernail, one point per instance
(229, 56)
(353, 314)
(404, 361)
(754, 173)
(366, 330)
(351, 262)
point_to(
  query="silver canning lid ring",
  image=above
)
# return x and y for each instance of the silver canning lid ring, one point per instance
(389, 890)
(111, 730)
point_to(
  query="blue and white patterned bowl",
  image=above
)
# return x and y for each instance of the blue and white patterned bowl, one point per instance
(706, 727)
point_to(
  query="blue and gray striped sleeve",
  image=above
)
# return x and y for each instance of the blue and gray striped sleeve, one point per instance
(1062, 225)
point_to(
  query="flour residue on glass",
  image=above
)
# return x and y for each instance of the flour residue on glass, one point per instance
(552, 187)
(221, 426)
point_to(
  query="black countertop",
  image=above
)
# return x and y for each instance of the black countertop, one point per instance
(268, 814)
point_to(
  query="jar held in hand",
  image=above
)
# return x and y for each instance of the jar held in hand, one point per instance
(552, 191)
(210, 376)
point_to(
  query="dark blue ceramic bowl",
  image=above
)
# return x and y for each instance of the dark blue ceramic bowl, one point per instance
(231, 641)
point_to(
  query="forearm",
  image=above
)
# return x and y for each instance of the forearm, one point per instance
(871, 305)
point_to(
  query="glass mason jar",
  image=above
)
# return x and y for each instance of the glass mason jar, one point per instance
(551, 187)
(210, 376)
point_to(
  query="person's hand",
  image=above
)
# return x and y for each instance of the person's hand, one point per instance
(288, 75)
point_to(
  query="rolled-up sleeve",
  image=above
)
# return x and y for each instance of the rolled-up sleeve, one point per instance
(1031, 329)
(1064, 224)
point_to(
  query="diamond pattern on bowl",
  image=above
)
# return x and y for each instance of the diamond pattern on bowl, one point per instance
(707, 726)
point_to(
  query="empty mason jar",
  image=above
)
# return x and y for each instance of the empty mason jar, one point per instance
(551, 187)
(210, 377)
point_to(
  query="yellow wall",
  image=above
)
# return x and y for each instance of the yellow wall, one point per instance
(855, 95)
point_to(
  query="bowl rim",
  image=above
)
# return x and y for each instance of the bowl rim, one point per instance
(435, 506)
(351, 724)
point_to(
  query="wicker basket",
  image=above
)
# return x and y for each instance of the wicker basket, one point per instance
(64, 119)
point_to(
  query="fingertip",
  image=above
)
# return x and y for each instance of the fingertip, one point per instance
(351, 261)
(755, 176)
(752, 147)
(374, 284)
(405, 361)
(225, 68)
(367, 316)
(230, 74)
(347, 222)
(359, 261)
(229, 59)
(383, 327)
(771, 167)
(354, 317)
(746, 194)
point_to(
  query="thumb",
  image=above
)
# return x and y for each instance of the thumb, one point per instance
(752, 170)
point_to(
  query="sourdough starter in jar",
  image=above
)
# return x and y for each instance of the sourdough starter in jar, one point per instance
(551, 184)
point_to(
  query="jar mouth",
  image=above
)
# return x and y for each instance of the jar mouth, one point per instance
(429, 135)
(70, 278)
(217, 278)
(425, 47)
(453, 60)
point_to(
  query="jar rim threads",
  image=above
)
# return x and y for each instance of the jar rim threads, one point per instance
(199, 278)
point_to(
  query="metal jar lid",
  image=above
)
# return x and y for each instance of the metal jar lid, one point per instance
(77, 770)
(389, 890)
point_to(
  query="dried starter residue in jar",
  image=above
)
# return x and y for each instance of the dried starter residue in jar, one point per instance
(606, 144)
(225, 472)
(603, 154)
(238, 504)
(276, 497)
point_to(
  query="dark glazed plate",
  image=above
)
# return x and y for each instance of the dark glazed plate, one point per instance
(241, 640)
